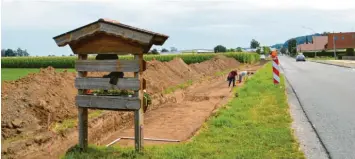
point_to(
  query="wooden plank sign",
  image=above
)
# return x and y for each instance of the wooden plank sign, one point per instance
(104, 83)
(108, 102)
(107, 65)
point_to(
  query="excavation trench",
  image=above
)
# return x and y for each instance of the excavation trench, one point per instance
(172, 116)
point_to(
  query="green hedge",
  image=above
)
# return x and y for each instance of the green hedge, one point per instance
(324, 54)
(69, 62)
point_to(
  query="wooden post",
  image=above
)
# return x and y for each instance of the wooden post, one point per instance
(138, 114)
(83, 113)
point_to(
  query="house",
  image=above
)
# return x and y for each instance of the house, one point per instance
(198, 51)
(204, 51)
(318, 44)
(341, 40)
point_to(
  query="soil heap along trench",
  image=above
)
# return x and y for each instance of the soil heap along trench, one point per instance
(33, 104)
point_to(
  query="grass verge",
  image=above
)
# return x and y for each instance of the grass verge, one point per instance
(66, 124)
(179, 86)
(254, 125)
(9, 74)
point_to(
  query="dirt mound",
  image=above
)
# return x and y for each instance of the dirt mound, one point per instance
(31, 103)
(216, 64)
(34, 102)
(162, 75)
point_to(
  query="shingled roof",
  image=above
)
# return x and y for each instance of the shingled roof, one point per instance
(111, 27)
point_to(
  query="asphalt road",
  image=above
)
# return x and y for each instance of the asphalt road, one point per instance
(327, 94)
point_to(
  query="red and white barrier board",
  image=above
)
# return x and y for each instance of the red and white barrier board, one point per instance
(276, 69)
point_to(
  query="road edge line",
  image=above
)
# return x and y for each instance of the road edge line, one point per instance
(307, 117)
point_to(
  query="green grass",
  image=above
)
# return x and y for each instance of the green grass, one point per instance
(179, 86)
(254, 125)
(60, 127)
(9, 74)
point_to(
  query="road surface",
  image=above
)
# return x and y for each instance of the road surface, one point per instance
(327, 94)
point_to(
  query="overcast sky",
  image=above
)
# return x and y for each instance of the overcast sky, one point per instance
(190, 24)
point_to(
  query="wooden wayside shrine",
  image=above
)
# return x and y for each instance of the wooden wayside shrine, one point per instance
(106, 38)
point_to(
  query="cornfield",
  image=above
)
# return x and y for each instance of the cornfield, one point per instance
(69, 62)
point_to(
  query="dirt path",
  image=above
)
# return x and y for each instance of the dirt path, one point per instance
(180, 120)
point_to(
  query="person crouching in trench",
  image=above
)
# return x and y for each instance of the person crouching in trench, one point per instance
(243, 75)
(231, 78)
(113, 75)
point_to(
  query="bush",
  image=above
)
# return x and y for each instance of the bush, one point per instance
(350, 52)
(323, 54)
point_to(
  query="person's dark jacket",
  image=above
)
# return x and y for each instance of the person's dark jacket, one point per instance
(113, 75)
(232, 74)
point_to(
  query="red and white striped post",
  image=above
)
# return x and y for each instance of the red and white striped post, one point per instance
(275, 68)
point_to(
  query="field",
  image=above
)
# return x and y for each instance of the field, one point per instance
(254, 125)
(68, 62)
(16, 67)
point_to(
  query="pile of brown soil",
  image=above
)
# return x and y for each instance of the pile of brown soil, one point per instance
(162, 75)
(33, 102)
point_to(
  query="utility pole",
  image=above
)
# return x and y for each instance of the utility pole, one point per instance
(335, 57)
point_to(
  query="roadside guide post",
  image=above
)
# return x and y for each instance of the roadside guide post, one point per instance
(110, 37)
(275, 68)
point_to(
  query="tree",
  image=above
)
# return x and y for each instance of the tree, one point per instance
(292, 47)
(2, 52)
(220, 48)
(25, 53)
(325, 33)
(154, 51)
(18, 52)
(231, 50)
(258, 51)
(306, 39)
(254, 44)
(266, 50)
(239, 49)
(173, 49)
(10, 52)
(164, 50)
(283, 50)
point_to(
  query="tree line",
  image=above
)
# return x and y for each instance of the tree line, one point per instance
(156, 52)
(253, 45)
(13, 53)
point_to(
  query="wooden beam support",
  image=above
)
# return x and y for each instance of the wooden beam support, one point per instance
(108, 102)
(104, 83)
(83, 113)
(138, 114)
(107, 65)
